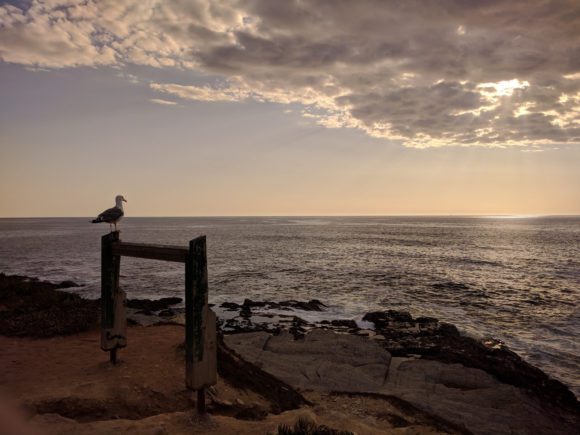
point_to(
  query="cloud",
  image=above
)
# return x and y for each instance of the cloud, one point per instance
(425, 73)
(162, 102)
(202, 93)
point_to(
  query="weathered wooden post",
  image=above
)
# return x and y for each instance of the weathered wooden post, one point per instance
(200, 321)
(113, 299)
(200, 324)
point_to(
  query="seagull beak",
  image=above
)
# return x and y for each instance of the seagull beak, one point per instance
(124, 200)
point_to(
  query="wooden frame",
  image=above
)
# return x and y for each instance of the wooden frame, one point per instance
(200, 321)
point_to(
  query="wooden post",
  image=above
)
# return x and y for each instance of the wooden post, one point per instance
(200, 321)
(200, 324)
(201, 401)
(113, 300)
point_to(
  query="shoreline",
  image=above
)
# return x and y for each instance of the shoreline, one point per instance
(411, 342)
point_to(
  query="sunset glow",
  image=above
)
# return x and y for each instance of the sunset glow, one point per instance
(240, 107)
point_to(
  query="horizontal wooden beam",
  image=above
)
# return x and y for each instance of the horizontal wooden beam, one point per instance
(152, 252)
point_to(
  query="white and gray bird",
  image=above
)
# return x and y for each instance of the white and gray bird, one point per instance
(112, 215)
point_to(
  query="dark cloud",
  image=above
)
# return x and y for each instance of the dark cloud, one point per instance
(427, 73)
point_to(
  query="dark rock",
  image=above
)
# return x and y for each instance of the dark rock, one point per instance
(447, 329)
(506, 366)
(67, 284)
(230, 306)
(399, 316)
(250, 303)
(237, 326)
(153, 305)
(34, 308)
(382, 319)
(299, 322)
(297, 332)
(246, 311)
(344, 323)
(312, 305)
(444, 343)
(426, 320)
(167, 313)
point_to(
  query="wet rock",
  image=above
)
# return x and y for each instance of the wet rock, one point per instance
(167, 313)
(153, 305)
(250, 303)
(424, 320)
(240, 324)
(246, 311)
(366, 333)
(312, 305)
(382, 319)
(67, 284)
(230, 306)
(344, 323)
(447, 329)
(297, 332)
(297, 321)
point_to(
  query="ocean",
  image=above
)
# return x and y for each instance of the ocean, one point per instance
(515, 279)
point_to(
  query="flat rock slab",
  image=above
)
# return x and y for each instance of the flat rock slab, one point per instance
(467, 397)
(323, 360)
(473, 399)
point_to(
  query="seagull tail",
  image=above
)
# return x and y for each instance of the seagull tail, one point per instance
(97, 220)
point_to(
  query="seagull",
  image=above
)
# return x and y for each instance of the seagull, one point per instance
(112, 215)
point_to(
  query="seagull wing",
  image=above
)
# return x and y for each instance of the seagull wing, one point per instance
(111, 215)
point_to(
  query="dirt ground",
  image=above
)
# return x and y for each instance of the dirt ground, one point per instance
(67, 385)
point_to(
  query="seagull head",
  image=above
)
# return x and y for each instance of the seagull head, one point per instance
(119, 199)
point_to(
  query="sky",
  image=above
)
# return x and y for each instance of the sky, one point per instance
(260, 107)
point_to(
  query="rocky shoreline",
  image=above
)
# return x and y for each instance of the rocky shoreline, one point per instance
(257, 336)
(396, 331)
